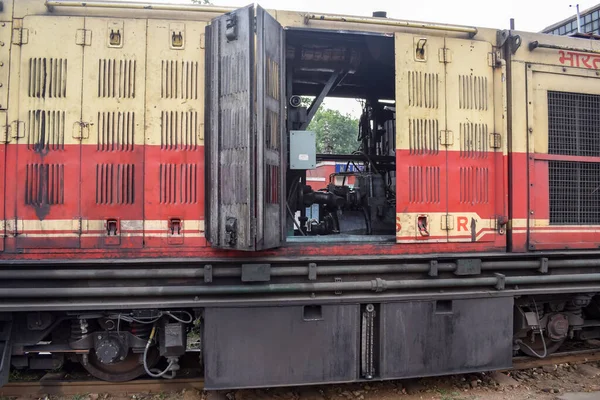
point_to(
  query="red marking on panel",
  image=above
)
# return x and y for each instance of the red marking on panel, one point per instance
(579, 60)
(461, 223)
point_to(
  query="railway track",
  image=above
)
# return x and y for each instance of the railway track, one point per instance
(56, 386)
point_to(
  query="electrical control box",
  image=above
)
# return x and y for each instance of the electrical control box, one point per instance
(303, 150)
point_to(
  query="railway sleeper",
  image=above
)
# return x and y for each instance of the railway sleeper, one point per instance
(261, 346)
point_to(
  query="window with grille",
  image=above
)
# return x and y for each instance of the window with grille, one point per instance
(574, 130)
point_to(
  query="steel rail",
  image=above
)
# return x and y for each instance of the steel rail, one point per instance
(393, 23)
(71, 388)
(138, 6)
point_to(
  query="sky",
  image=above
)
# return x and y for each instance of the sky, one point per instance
(529, 15)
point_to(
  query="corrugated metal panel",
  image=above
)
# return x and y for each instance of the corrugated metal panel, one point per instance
(230, 130)
(48, 160)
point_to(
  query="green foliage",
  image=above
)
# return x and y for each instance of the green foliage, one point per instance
(201, 1)
(336, 132)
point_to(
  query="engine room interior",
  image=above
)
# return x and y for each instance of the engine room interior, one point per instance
(356, 200)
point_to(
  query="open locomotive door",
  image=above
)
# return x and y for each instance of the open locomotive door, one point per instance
(245, 129)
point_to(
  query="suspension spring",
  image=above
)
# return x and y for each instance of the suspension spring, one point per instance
(79, 328)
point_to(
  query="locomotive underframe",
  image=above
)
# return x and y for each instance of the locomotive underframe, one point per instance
(268, 308)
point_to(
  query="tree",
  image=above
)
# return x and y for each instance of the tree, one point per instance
(336, 133)
(201, 1)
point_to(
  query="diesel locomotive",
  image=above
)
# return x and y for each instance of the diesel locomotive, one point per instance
(156, 199)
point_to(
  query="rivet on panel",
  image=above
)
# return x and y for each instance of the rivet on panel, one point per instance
(1, 64)
(1, 43)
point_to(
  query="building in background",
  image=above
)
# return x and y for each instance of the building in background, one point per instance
(589, 19)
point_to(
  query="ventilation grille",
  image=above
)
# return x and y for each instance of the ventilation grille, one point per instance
(424, 184)
(423, 90)
(474, 185)
(474, 140)
(423, 136)
(272, 130)
(272, 184)
(234, 73)
(574, 124)
(44, 184)
(273, 84)
(179, 130)
(234, 181)
(234, 121)
(179, 80)
(47, 77)
(473, 92)
(116, 131)
(574, 193)
(178, 183)
(115, 184)
(45, 130)
(116, 78)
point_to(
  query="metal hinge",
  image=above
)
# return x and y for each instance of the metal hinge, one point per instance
(20, 36)
(81, 130)
(495, 58)
(83, 37)
(4, 138)
(447, 222)
(446, 138)
(495, 140)
(253, 227)
(445, 55)
(16, 130)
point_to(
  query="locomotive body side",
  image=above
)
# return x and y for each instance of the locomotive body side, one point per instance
(146, 178)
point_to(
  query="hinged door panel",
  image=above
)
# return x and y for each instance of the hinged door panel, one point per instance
(421, 137)
(474, 160)
(244, 131)
(174, 150)
(113, 140)
(270, 123)
(47, 173)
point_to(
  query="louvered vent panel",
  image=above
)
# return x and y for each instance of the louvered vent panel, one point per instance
(179, 80)
(234, 77)
(423, 89)
(47, 78)
(115, 131)
(45, 130)
(178, 183)
(44, 184)
(116, 78)
(474, 140)
(424, 184)
(474, 185)
(115, 184)
(423, 136)
(473, 92)
(179, 130)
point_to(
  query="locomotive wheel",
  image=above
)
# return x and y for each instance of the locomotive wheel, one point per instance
(122, 371)
(538, 346)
